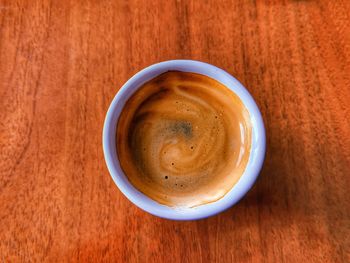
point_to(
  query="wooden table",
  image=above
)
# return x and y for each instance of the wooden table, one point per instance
(62, 62)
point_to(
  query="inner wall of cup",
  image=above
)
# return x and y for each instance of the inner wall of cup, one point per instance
(145, 202)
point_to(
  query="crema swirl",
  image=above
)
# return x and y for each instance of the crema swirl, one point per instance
(183, 139)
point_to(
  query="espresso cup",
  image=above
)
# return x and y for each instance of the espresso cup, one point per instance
(246, 180)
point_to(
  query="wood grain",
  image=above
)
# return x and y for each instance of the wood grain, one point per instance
(61, 63)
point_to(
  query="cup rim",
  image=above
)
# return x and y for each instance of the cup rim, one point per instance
(241, 187)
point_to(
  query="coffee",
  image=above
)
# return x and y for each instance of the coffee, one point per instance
(183, 139)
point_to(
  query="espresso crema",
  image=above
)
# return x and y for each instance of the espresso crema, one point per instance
(184, 139)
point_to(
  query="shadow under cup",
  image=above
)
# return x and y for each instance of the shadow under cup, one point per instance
(247, 179)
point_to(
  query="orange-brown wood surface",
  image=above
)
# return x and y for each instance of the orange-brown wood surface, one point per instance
(62, 62)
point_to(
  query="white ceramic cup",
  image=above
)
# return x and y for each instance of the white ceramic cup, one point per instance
(247, 179)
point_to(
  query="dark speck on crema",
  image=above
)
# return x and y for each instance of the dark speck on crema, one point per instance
(183, 127)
